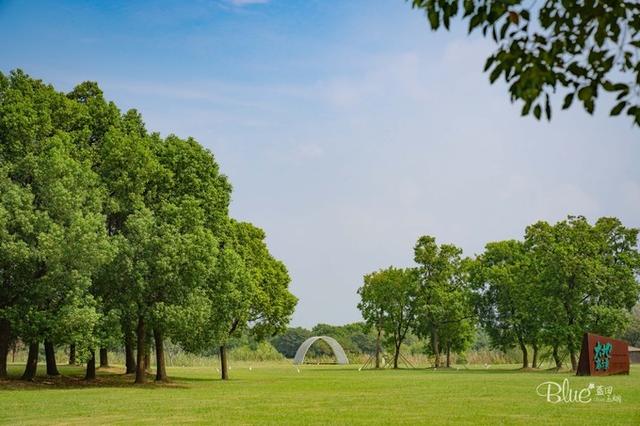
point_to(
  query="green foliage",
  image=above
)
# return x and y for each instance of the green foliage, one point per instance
(587, 274)
(443, 305)
(56, 239)
(288, 342)
(509, 302)
(103, 226)
(632, 333)
(388, 303)
(580, 48)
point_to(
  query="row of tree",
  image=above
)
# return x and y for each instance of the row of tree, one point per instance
(109, 233)
(545, 291)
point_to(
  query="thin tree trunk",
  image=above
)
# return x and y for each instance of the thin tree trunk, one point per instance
(571, 321)
(130, 359)
(5, 338)
(14, 348)
(435, 346)
(141, 337)
(72, 354)
(50, 358)
(224, 367)
(32, 362)
(104, 358)
(534, 362)
(147, 357)
(396, 356)
(448, 356)
(572, 354)
(91, 367)
(161, 371)
(525, 354)
(556, 357)
(378, 349)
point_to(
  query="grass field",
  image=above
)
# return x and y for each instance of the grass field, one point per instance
(277, 393)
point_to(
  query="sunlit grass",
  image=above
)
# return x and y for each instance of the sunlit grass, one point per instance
(278, 392)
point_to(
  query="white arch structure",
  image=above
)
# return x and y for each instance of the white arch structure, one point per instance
(341, 357)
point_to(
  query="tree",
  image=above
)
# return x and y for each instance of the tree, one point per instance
(443, 311)
(17, 257)
(588, 274)
(162, 259)
(388, 303)
(245, 291)
(288, 342)
(101, 222)
(372, 305)
(127, 166)
(268, 304)
(581, 48)
(54, 201)
(632, 333)
(509, 299)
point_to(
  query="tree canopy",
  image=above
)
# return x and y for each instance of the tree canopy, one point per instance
(108, 232)
(539, 294)
(580, 49)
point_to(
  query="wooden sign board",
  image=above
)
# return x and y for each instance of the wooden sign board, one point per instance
(603, 356)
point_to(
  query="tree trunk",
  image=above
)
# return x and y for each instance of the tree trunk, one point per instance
(396, 356)
(5, 338)
(572, 354)
(378, 349)
(534, 362)
(435, 346)
(448, 356)
(104, 358)
(130, 359)
(50, 358)
(32, 362)
(91, 367)
(72, 354)
(147, 357)
(556, 357)
(525, 353)
(161, 371)
(141, 337)
(224, 367)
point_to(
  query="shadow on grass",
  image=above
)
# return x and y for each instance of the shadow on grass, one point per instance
(465, 370)
(103, 380)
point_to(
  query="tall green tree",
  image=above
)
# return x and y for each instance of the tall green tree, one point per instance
(268, 305)
(510, 301)
(159, 264)
(588, 274)
(62, 240)
(579, 48)
(128, 168)
(388, 303)
(246, 291)
(443, 311)
(372, 305)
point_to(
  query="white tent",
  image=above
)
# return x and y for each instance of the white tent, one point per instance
(341, 357)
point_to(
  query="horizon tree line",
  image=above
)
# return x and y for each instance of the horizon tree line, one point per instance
(541, 293)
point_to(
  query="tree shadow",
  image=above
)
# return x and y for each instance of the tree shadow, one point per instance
(102, 380)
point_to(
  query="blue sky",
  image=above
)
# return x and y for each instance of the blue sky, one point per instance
(347, 128)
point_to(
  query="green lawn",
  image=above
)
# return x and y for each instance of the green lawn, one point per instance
(277, 393)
